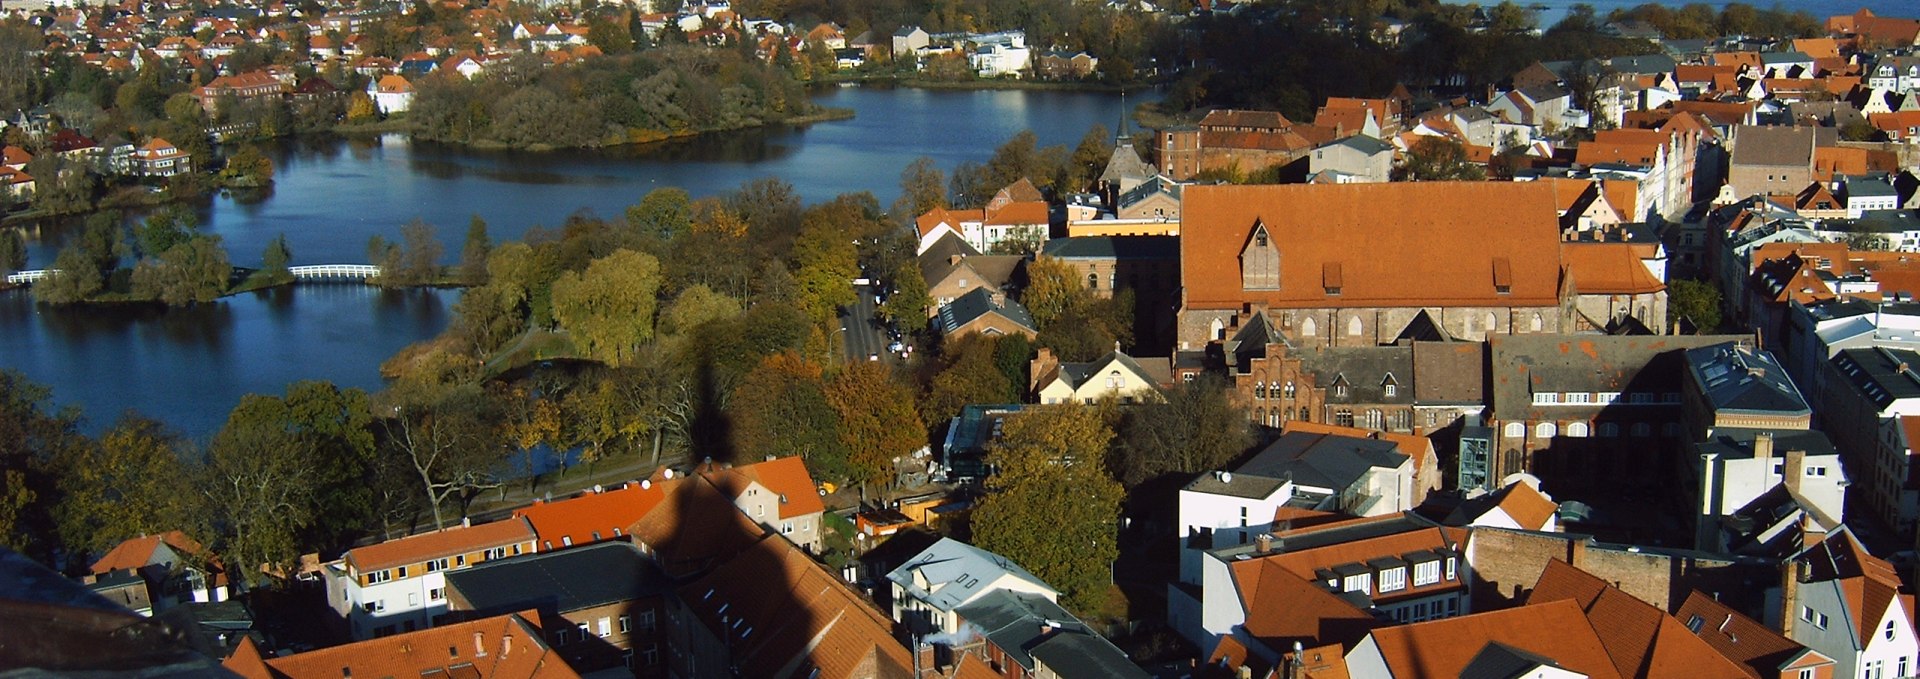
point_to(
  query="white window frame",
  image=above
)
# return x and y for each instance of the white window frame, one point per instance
(1426, 573)
(626, 624)
(1546, 398)
(1393, 579)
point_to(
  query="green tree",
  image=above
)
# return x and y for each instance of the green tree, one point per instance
(248, 167)
(259, 480)
(473, 255)
(165, 228)
(275, 261)
(1696, 301)
(878, 421)
(1090, 158)
(1051, 503)
(663, 214)
(608, 310)
(13, 252)
(32, 435)
(610, 37)
(195, 271)
(1196, 429)
(1053, 290)
(907, 307)
(73, 279)
(967, 374)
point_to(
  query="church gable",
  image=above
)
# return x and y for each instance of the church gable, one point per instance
(1260, 260)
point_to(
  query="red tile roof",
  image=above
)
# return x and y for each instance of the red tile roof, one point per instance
(1641, 640)
(1526, 506)
(577, 519)
(1608, 269)
(1284, 606)
(138, 552)
(503, 647)
(787, 476)
(1403, 263)
(1757, 648)
(1442, 648)
(448, 542)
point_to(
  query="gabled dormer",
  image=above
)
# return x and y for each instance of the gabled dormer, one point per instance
(1260, 260)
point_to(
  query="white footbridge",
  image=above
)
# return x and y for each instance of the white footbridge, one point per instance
(314, 272)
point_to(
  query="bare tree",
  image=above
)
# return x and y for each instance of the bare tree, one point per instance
(449, 446)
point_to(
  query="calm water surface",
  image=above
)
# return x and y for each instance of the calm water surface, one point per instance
(189, 367)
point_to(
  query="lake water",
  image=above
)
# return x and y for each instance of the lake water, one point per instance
(189, 367)
(1555, 10)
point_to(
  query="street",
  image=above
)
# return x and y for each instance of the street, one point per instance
(864, 334)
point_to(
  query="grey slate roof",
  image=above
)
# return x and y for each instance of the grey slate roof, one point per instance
(1365, 371)
(977, 303)
(1126, 164)
(1364, 144)
(1644, 64)
(1767, 146)
(1882, 374)
(567, 580)
(960, 572)
(1114, 247)
(1028, 627)
(1740, 378)
(1878, 221)
(1148, 188)
(1523, 364)
(1734, 443)
(1776, 58)
(1869, 187)
(1323, 460)
(1500, 661)
(1449, 373)
(1539, 93)
(1077, 374)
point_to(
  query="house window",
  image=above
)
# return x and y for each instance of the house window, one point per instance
(1359, 583)
(651, 656)
(1578, 397)
(1577, 429)
(1260, 391)
(786, 528)
(1642, 429)
(1546, 398)
(646, 621)
(585, 631)
(1450, 568)
(1515, 430)
(1387, 390)
(1393, 580)
(1609, 430)
(413, 599)
(560, 637)
(1426, 573)
(1353, 324)
(1888, 632)
(401, 572)
(436, 594)
(566, 541)
(1114, 381)
(606, 626)
(1093, 281)
(1343, 417)
(1544, 430)
(378, 577)
(1818, 471)
(626, 624)
(1817, 618)
(1287, 391)
(1340, 390)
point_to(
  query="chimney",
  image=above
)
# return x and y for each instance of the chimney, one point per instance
(1263, 544)
(1811, 532)
(1763, 451)
(1794, 469)
(999, 299)
(1042, 362)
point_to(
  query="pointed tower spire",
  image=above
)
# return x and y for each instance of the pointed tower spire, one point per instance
(1120, 135)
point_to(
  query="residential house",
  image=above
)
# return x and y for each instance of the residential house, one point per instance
(1115, 376)
(1293, 249)
(1017, 216)
(1321, 468)
(1667, 158)
(1760, 650)
(594, 516)
(1518, 506)
(1871, 194)
(1894, 73)
(1892, 487)
(1030, 635)
(985, 313)
(1847, 605)
(601, 606)
(1542, 106)
(1737, 385)
(400, 585)
(1864, 388)
(1150, 208)
(1354, 159)
(1770, 160)
(1792, 64)
(174, 568)
(1000, 54)
(1326, 583)
(249, 85)
(952, 269)
(778, 494)
(125, 588)
(1737, 467)
(160, 158)
(1229, 140)
(1562, 406)
(391, 94)
(908, 40)
(1378, 118)
(929, 589)
(510, 646)
(1063, 65)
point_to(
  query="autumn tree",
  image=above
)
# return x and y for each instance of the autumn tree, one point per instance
(448, 446)
(32, 435)
(1090, 158)
(1195, 429)
(663, 214)
(1438, 159)
(1052, 291)
(1051, 504)
(608, 309)
(781, 408)
(128, 483)
(967, 374)
(878, 420)
(696, 306)
(260, 480)
(923, 187)
(473, 255)
(527, 421)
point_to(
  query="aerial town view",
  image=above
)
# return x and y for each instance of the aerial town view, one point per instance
(957, 339)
